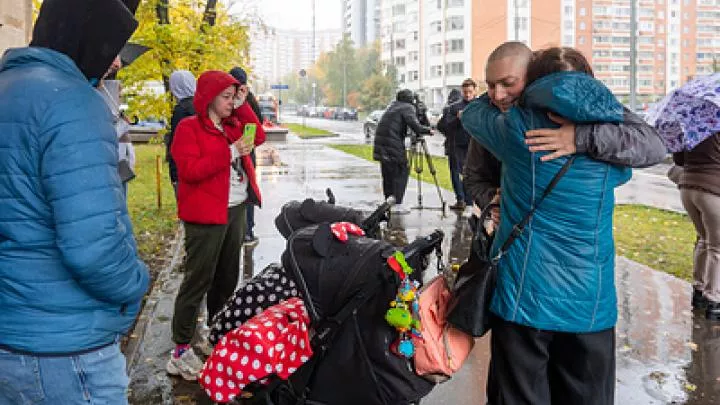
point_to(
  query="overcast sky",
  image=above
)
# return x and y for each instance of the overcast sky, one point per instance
(297, 14)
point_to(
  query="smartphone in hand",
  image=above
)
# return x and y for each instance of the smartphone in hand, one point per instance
(249, 134)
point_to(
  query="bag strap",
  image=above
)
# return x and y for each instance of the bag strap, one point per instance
(520, 226)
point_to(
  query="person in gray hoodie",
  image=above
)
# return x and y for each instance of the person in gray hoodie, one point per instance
(182, 87)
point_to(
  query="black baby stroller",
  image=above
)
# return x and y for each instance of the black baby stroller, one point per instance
(272, 285)
(347, 288)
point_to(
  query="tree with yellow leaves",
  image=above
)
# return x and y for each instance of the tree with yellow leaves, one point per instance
(181, 34)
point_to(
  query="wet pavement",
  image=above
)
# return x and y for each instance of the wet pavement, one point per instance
(666, 354)
(648, 187)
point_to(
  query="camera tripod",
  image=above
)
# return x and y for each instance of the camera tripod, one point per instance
(417, 152)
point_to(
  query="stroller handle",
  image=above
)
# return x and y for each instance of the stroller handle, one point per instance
(370, 224)
(423, 246)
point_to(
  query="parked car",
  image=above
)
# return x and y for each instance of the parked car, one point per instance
(317, 112)
(302, 110)
(346, 114)
(329, 112)
(371, 122)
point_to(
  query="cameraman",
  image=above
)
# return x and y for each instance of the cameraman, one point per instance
(389, 145)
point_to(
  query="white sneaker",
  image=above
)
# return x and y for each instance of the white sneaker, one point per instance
(188, 365)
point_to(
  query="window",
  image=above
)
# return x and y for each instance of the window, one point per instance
(398, 26)
(415, 36)
(436, 49)
(645, 83)
(582, 25)
(601, 53)
(568, 11)
(399, 44)
(568, 25)
(600, 39)
(436, 26)
(455, 68)
(455, 23)
(401, 79)
(661, 15)
(398, 9)
(581, 40)
(457, 45)
(436, 71)
(455, 3)
(686, 29)
(686, 16)
(400, 61)
(582, 11)
(413, 75)
(647, 26)
(414, 56)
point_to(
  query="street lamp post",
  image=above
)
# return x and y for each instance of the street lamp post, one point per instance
(314, 102)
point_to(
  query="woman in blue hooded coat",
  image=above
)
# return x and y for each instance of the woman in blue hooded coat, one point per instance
(555, 298)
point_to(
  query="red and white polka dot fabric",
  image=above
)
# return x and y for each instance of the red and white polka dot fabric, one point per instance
(341, 230)
(273, 342)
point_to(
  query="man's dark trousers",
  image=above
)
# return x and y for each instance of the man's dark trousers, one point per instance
(395, 178)
(534, 367)
(456, 161)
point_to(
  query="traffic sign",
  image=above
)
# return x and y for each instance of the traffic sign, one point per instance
(280, 87)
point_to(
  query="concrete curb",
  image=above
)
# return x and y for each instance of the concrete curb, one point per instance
(137, 336)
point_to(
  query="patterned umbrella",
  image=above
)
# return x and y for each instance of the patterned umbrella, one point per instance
(688, 115)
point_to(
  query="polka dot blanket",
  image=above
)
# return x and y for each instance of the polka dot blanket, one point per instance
(273, 342)
(271, 286)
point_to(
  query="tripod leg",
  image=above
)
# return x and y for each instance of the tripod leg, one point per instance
(433, 172)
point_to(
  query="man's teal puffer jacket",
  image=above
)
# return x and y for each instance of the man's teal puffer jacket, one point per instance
(70, 276)
(559, 274)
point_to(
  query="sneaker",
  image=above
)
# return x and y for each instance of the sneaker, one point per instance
(712, 312)
(458, 206)
(251, 240)
(187, 365)
(698, 300)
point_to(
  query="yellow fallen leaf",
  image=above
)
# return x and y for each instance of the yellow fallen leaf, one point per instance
(690, 387)
(692, 346)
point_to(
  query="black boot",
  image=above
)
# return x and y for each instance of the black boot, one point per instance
(712, 312)
(698, 300)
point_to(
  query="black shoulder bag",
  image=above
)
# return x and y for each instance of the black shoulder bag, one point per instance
(476, 279)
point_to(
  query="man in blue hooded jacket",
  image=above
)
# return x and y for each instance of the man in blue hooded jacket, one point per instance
(71, 282)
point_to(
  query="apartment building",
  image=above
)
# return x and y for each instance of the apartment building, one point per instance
(275, 53)
(361, 20)
(435, 44)
(677, 40)
(15, 23)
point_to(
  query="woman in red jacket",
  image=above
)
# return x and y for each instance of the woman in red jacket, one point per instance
(216, 182)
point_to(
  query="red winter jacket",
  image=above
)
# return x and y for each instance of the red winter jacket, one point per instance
(202, 155)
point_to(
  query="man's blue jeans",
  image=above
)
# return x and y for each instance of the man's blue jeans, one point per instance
(94, 378)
